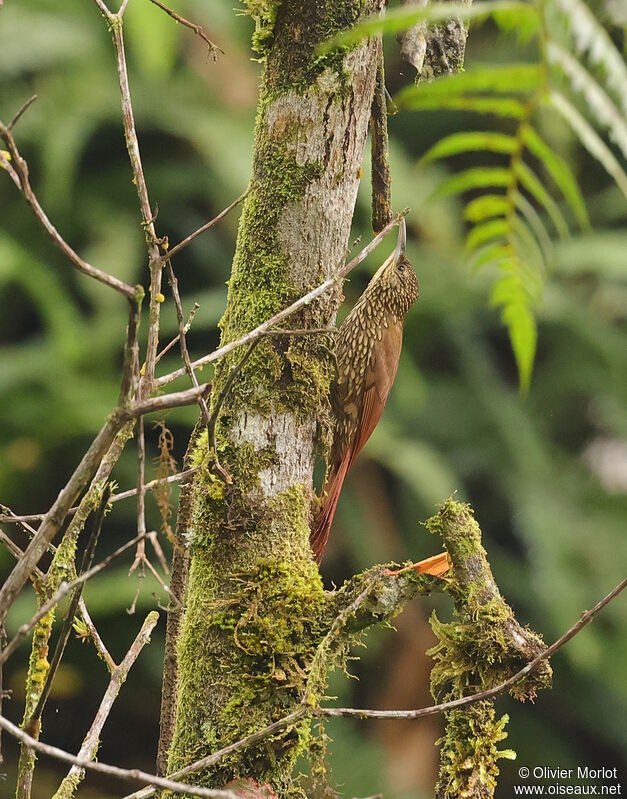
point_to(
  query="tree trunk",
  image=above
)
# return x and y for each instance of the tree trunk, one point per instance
(255, 606)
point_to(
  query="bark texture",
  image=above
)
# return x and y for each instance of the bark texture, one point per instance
(256, 611)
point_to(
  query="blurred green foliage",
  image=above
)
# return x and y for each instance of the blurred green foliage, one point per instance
(547, 473)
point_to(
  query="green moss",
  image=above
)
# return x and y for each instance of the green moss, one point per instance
(469, 754)
(248, 639)
(264, 14)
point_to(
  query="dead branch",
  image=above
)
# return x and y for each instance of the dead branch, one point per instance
(178, 247)
(198, 30)
(91, 742)
(18, 170)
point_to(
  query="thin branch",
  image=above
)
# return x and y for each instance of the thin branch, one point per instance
(300, 713)
(8, 517)
(198, 30)
(585, 618)
(305, 710)
(188, 397)
(178, 247)
(21, 112)
(306, 299)
(66, 629)
(62, 591)
(19, 169)
(128, 775)
(174, 341)
(95, 637)
(182, 337)
(38, 574)
(91, 742)
(58, 512)
(152, 242)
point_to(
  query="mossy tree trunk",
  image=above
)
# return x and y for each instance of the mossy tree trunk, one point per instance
(255, 606)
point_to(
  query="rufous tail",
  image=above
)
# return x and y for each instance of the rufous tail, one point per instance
(324, 517)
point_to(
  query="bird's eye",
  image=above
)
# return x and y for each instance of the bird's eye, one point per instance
(401, 267)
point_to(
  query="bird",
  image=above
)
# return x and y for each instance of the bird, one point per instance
(368, 348)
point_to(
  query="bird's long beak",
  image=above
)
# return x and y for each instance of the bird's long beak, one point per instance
(401, 242)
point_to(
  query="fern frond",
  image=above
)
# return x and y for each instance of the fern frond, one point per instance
(472, 141)
(533, 185)
(510, 294)
(559, 171)
(536, 224)
(592, 38)
(600, 103)
(400, 19)
(474, 178)
(480, 234)
(486, 206)
(499, 106)
(589, 138)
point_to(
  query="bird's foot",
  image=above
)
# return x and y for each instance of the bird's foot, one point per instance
(437, 565)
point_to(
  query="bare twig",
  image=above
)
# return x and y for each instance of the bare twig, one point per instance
(90, 744)
(306, 299)
(58, 512)
(66, 629)
(300, 713)
(198, 30)
(95, 637)
(8, 517)
(182, 337)
(305, 710)
(38, 574)
(585, 618)
(21, 112)
(19, 173)
(178, 247)
(174, 341)
(152, 241)
(188, 397)
(128, 775)
(62, 591)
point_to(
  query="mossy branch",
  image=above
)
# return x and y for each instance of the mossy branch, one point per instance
(481, 648)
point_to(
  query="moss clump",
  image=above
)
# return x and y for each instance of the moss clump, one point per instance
(258, 630)
(264, 14)
(469, 755)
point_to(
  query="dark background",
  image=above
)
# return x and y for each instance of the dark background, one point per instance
(546, 472)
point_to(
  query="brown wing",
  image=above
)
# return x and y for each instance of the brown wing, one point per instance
(378, 382)
(377, 386)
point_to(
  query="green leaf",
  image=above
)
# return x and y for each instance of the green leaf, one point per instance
(591, 37)
(559, 170)
(471, 141)
(590, 139)
(486, 206)
(488, 230)
(531, 182)
(495, 253)
(509, 293)
(526, 243)
(401, 19)
(537, 225)
(499, 106)
(599, 103)
(475, 178)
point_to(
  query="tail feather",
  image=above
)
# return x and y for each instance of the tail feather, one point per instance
(324, 518)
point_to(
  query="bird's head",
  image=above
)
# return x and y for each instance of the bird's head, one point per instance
(398, 276)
